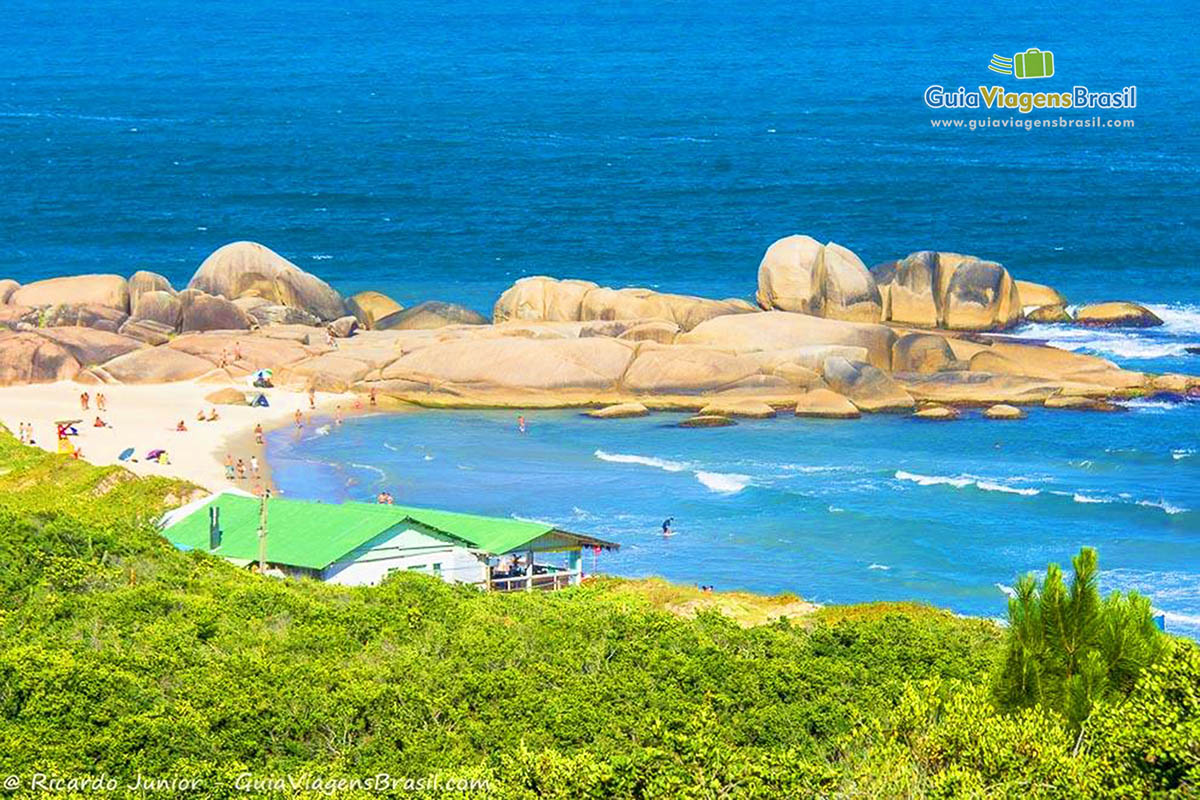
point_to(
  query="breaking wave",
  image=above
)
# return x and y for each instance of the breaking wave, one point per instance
(719, 482)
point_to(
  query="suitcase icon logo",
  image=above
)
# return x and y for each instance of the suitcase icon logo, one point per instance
(1033, 63)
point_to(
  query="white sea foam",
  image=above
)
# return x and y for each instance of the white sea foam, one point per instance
(646, 461)
(990, 486)
(1163, 504)
(963, 481)
(723, 482)
(391, 447)
(1079, 497)
(934, 480)
(370, 468)
(720, 482)
(322, 431)
(321, 257)
(883, 567)
(1178, 455)
(836, 510)
(1152, 406)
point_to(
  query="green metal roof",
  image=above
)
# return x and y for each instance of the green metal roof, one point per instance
(307, 534)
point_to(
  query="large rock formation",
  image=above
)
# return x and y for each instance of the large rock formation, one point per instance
(1036, 295)
(780, 330)
(89, 315)
(868, 387)
(673, 370)
(101, 290)
(368, 307)
(142, 282)
(922, 352)
(1117, 315)
(825, 404)
(156, 365)
(90, 347)
(429, 315)
(797, 273)
(541, 298)
(7, 287)
(30, 358)
(159, 306)
(204, 312)
(248, 269)
(948, 290)
(1048, 314)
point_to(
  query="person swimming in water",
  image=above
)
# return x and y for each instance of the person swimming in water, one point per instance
(666, 526)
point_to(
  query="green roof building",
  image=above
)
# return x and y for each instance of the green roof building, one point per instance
(361, 543)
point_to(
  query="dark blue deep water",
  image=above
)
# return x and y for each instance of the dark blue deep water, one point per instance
(439, 151)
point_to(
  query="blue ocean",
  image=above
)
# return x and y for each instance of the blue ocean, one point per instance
(440, 151)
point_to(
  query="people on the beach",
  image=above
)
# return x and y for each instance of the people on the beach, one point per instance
(181, 427)
(385, 498)
(521, 423)
(229, 475)
(371, 395)
(298, 417)
(254, 466)
(83, 401)
(200, 415)
(312, 398)
(337, 415)
(258, 433)
(329, 340)
(99, 423)
(101, 402)
(241, 470)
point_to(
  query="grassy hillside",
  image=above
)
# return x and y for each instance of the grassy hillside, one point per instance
(122, 656)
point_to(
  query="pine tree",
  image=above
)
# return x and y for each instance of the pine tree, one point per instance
(1066, 648)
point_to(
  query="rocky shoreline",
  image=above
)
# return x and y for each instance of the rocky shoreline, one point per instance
(828, 338)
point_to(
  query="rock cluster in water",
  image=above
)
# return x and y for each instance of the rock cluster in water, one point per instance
(829, 338)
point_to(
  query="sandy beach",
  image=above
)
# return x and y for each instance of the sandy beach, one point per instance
(145, 417)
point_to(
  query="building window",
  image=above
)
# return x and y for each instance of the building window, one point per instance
(416, 566)
(437, 569)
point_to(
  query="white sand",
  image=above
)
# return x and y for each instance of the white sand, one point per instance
(144, 418)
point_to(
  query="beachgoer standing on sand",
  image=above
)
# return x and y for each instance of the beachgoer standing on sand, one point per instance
(241, 470)
(237, 350)
(371, 394)
(83, 401)
(299, 420)
(312, 398)
(254, 466)
(229, 466)
(101, 402)
(258, 433)
(337, 415)
(521, 423)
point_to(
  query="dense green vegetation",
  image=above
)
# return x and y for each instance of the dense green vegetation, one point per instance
(121, 656)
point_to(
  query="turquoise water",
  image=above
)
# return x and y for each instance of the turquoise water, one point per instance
(880, 508)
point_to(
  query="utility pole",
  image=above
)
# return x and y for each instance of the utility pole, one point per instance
(262, 531)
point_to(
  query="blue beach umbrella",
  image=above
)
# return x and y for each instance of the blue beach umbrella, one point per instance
(125, 454)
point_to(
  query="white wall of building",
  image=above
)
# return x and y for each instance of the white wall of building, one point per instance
(406, 548)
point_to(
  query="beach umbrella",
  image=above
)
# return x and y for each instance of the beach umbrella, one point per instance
(263, 374)
(153, 454)
(125, 454)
